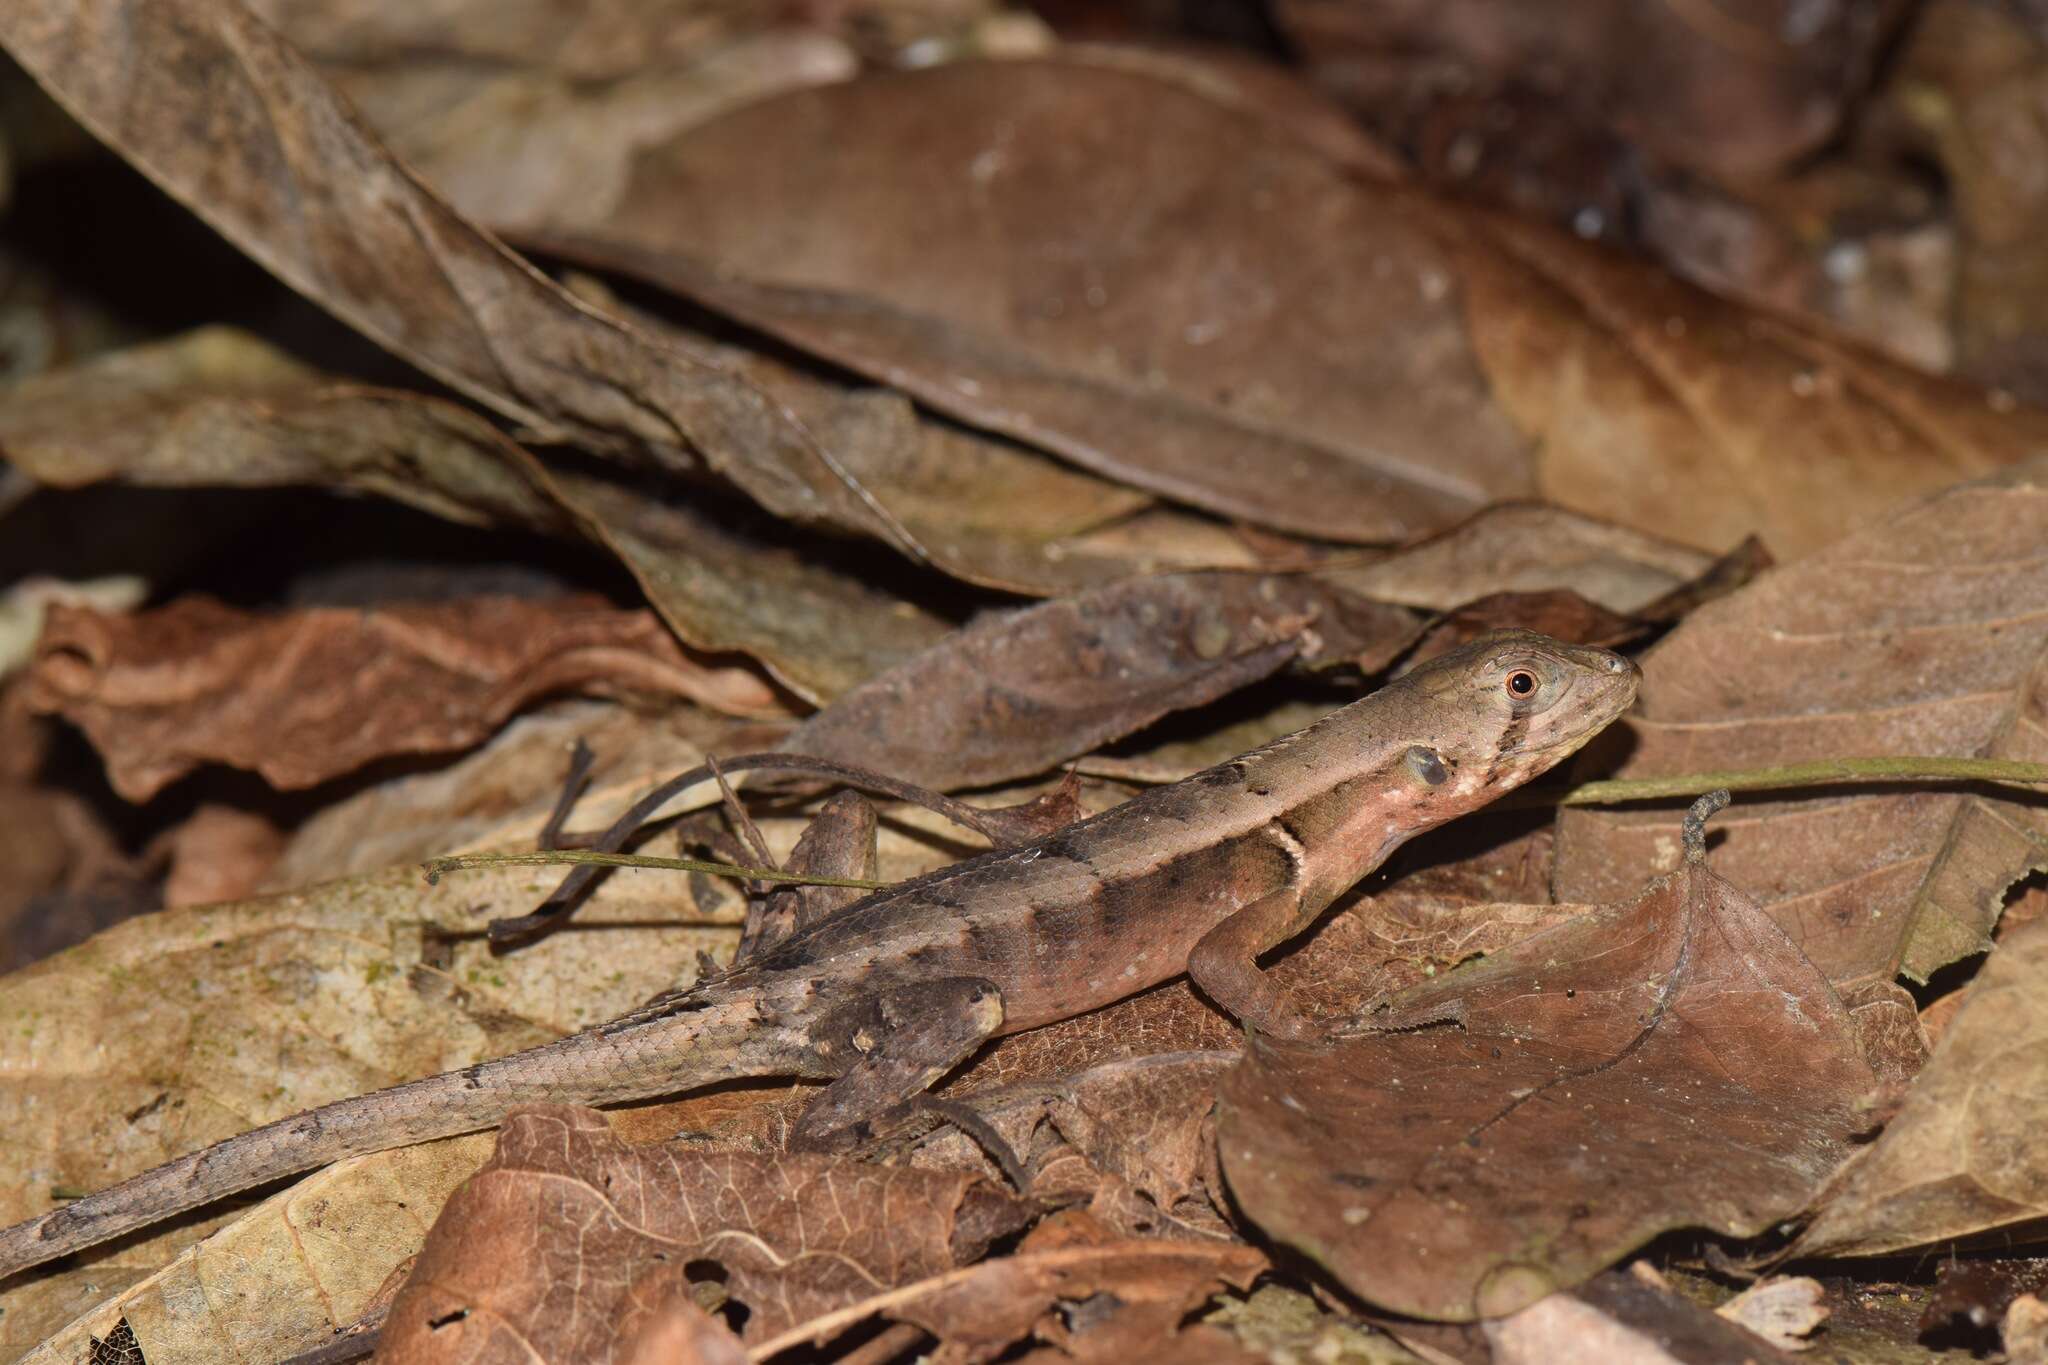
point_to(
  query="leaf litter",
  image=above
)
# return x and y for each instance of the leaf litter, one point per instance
(1513, 1127)
(1018, 330)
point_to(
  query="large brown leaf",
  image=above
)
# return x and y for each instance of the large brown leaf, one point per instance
(547, 1242)
(1963, 1157)
(217, 109)
(1922, 635)
(311, 694)
(1178, 294)
(1666, 1063)
(1034, 247)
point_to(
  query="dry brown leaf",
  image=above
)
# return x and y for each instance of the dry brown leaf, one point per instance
(547, 1241)
(1015, 694)
(1559, 613)
(990, 247)
(728, 580)
(1922, 635)
(1528, 547)
(288, 172)
(1375, 363)
(1654, 404)
(311, 694)
(983, 509)
(1736, 92)
(1667, 1063)
(218, 406)
(1961, 1158)
(1120, 1297)
(1974, 76)
(171, 1031)
(535, 109)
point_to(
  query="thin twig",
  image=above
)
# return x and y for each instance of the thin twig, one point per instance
(460, 862)
(1827, 772)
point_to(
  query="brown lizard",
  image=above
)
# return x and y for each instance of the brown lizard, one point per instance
(887, 994)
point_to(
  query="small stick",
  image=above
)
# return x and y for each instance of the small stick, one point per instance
(580, 760)
(558, 857)
(1890, 768)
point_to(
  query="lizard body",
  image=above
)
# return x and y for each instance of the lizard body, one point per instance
(887, 994)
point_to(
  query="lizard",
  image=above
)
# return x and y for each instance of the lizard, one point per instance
(881, 997)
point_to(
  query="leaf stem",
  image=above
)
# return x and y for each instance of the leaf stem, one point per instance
(1827, 772)
(550, 857)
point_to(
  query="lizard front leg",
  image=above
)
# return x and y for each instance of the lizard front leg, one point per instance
(1224, 963)
(897, 1042)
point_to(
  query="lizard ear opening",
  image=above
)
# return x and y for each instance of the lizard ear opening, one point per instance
(1428, 765)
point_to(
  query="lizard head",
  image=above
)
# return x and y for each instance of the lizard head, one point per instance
(1520, 702)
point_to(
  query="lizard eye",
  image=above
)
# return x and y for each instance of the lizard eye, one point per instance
(1521, 684)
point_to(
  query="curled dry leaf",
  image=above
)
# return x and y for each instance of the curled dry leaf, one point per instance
(1088, 1297)
(289, 173)
(1782, 1309)
(1672, 1062)
(1374, 364)
(217, 406)
(1922, 635)
(315, 693)
(1015, 694)
(547, 1242)
(1524, 547)
(1960, 1160)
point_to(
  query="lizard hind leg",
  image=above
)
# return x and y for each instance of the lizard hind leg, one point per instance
(899, 1041)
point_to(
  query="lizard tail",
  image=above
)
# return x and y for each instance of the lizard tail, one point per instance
(698, 1043)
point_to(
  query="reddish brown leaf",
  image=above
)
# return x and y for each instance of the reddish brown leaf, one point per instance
(1922, 635)
(1667, 1063)
(1015, 694)
(312, 694)
(548, 1242)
